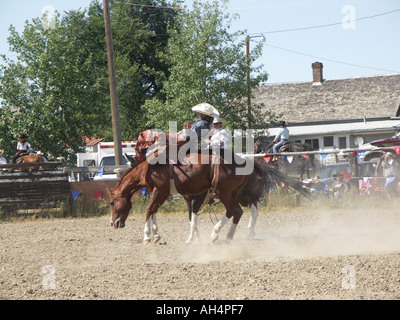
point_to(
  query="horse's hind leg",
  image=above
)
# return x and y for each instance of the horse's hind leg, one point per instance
(253, 221)
(237, 214)
(217, 228)
(233, 209)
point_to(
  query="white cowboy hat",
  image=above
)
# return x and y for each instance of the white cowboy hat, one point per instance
(39, 153)
(207, 109)
(222, 120)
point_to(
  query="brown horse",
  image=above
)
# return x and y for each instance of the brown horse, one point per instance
(31, 159)
(258, 184)
(304, 163)
(195, 176)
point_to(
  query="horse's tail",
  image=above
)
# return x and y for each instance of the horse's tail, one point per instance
(290, 182)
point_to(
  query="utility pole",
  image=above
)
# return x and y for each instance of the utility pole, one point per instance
(248, 89)
(113, 86)
(248, 113)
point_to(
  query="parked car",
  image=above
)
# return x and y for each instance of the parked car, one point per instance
(370, 172)
(109, 161)
(390, 142)
(365, 169)
(376, 153)
(388, 186)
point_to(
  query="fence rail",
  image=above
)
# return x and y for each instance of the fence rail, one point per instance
(330, 151)
(52, 184)
(36, 189)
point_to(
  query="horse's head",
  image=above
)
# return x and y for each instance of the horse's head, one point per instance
(257, 148)
(120, 206)
(261, 146)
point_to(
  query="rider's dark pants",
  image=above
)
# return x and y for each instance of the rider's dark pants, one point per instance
(16, 156)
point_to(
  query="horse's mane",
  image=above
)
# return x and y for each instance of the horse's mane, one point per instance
(127, 171)
(134, 164)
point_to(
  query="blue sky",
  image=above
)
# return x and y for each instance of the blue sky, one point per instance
(368, 46)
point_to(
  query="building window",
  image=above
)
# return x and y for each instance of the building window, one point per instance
(314, 143)
(328, 141)
(342, 143)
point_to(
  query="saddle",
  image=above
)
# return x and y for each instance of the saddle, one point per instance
(281, 149)
(22, 157)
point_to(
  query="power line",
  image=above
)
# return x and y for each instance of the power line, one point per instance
(148, 6)
(329, 24)
(331, 60)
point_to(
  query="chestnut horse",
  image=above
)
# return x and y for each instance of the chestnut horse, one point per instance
(305, 163)
(258, 184)
(193, 176)
(31, 159)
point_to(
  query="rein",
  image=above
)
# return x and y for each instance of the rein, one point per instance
(208, 196)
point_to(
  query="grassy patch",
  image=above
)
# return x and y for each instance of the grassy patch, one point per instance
(279, 200)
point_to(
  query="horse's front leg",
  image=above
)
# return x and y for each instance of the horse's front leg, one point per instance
(154, 229)
(194, 232)
(194, 203)
(151, 227)
(147, 231)
(151, 230)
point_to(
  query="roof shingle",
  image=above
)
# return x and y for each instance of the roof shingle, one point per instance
(377, 96)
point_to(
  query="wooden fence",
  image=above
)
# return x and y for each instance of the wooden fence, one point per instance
(48, 187)
(21, 188)
(51, 185)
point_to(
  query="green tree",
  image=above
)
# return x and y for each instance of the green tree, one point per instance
(51, 92)
(139, 36)
(207, 64)
(57, 90)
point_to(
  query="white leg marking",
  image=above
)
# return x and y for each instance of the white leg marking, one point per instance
(231, 231)
(217, 228)
(193, 228)
(154, 228)
(147, 231)
(252, 222)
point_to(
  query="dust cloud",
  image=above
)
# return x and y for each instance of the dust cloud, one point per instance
(315, 233)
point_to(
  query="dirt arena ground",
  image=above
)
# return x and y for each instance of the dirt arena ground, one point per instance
(303, 254)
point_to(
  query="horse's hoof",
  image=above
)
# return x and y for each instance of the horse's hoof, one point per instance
(157, 238)
(146, 242)
(250, 236)
(214, 239)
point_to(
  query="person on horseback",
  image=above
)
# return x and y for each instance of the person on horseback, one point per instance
(282, 136)
(23, 146)
(40, 153)
(221, 139)
(201, 127)
(2, 160)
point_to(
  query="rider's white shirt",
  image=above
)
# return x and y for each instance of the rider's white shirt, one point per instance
(283, 133)
(221, 139)
(23, 146)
